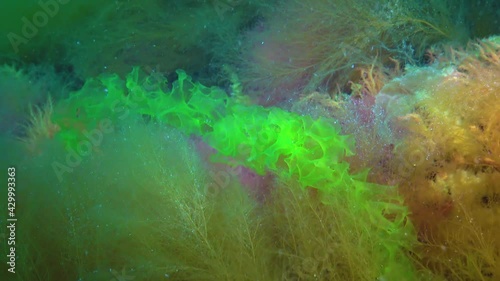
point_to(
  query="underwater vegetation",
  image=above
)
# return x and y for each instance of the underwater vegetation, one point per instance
(252, 140)
(22, 88)
(434, 133)
(456, 127)
(193, 236)
(88, 38)
(313, 45)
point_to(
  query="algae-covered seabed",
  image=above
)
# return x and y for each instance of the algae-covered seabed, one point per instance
(250, 140)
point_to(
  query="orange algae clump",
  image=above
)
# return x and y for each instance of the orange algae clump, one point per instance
(450, 154)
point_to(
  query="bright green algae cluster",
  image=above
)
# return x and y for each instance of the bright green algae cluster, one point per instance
(291, 146)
